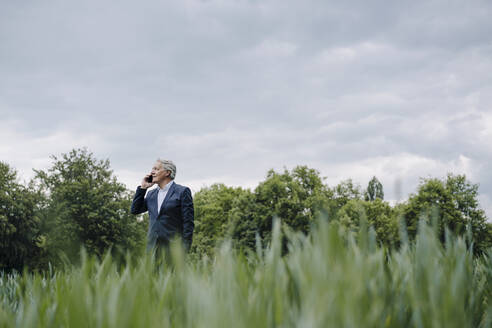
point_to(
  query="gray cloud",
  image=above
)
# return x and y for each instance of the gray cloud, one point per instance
(231, 89)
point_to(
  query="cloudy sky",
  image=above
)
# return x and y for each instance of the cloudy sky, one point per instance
(229, 89)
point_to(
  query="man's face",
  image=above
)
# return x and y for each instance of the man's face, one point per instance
(158, 172)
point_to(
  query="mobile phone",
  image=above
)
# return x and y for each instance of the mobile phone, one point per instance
(149, 179)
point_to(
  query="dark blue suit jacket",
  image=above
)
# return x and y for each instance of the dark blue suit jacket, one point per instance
(176, 217)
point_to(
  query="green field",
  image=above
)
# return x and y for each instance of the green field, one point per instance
(330, 279)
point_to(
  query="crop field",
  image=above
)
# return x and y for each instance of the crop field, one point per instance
(330, 279)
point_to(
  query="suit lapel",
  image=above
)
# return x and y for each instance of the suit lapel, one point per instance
(170, 192)
(153, 201)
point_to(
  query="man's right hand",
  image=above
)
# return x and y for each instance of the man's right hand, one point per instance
(145, 184)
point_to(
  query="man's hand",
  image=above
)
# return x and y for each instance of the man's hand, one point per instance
(145, 184)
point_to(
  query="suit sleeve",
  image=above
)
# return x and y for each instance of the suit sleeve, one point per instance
(188, 213)
(139, 205)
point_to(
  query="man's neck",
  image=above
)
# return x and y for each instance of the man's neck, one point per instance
(164, 183)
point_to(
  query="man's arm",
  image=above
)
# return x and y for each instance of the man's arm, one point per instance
(139, 205)
(188, 213)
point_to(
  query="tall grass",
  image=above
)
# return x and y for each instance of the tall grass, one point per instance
(329, 279)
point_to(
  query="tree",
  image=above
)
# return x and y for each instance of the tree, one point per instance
(296, 197)
(374, 190)
(213, 213)
(341, 194)
(453, 202)
(244, 223)
(86, 206)
(20, 235)
(378, 213)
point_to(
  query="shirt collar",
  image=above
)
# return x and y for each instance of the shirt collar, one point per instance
(166, 188)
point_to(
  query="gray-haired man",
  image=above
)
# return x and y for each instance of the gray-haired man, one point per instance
(170, 206)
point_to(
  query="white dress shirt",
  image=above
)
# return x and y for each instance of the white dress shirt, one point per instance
(162, 194)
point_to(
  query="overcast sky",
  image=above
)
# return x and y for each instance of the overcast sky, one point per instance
(229, 89)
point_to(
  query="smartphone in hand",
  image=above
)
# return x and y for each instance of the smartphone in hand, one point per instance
(149, 179)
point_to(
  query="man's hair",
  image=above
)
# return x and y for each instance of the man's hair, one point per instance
(169, 166)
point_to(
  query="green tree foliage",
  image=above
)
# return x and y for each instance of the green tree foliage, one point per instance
(86, 206)
(342, 193)
(244, 223)
(488, 236)
(296, 197)
(214, 207)
(454, 203)
(374, 190)
(19, 225)
(378, 213)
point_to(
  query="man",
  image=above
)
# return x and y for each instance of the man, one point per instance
(170, 207)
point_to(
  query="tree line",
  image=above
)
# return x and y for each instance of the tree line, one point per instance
(79, 202)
